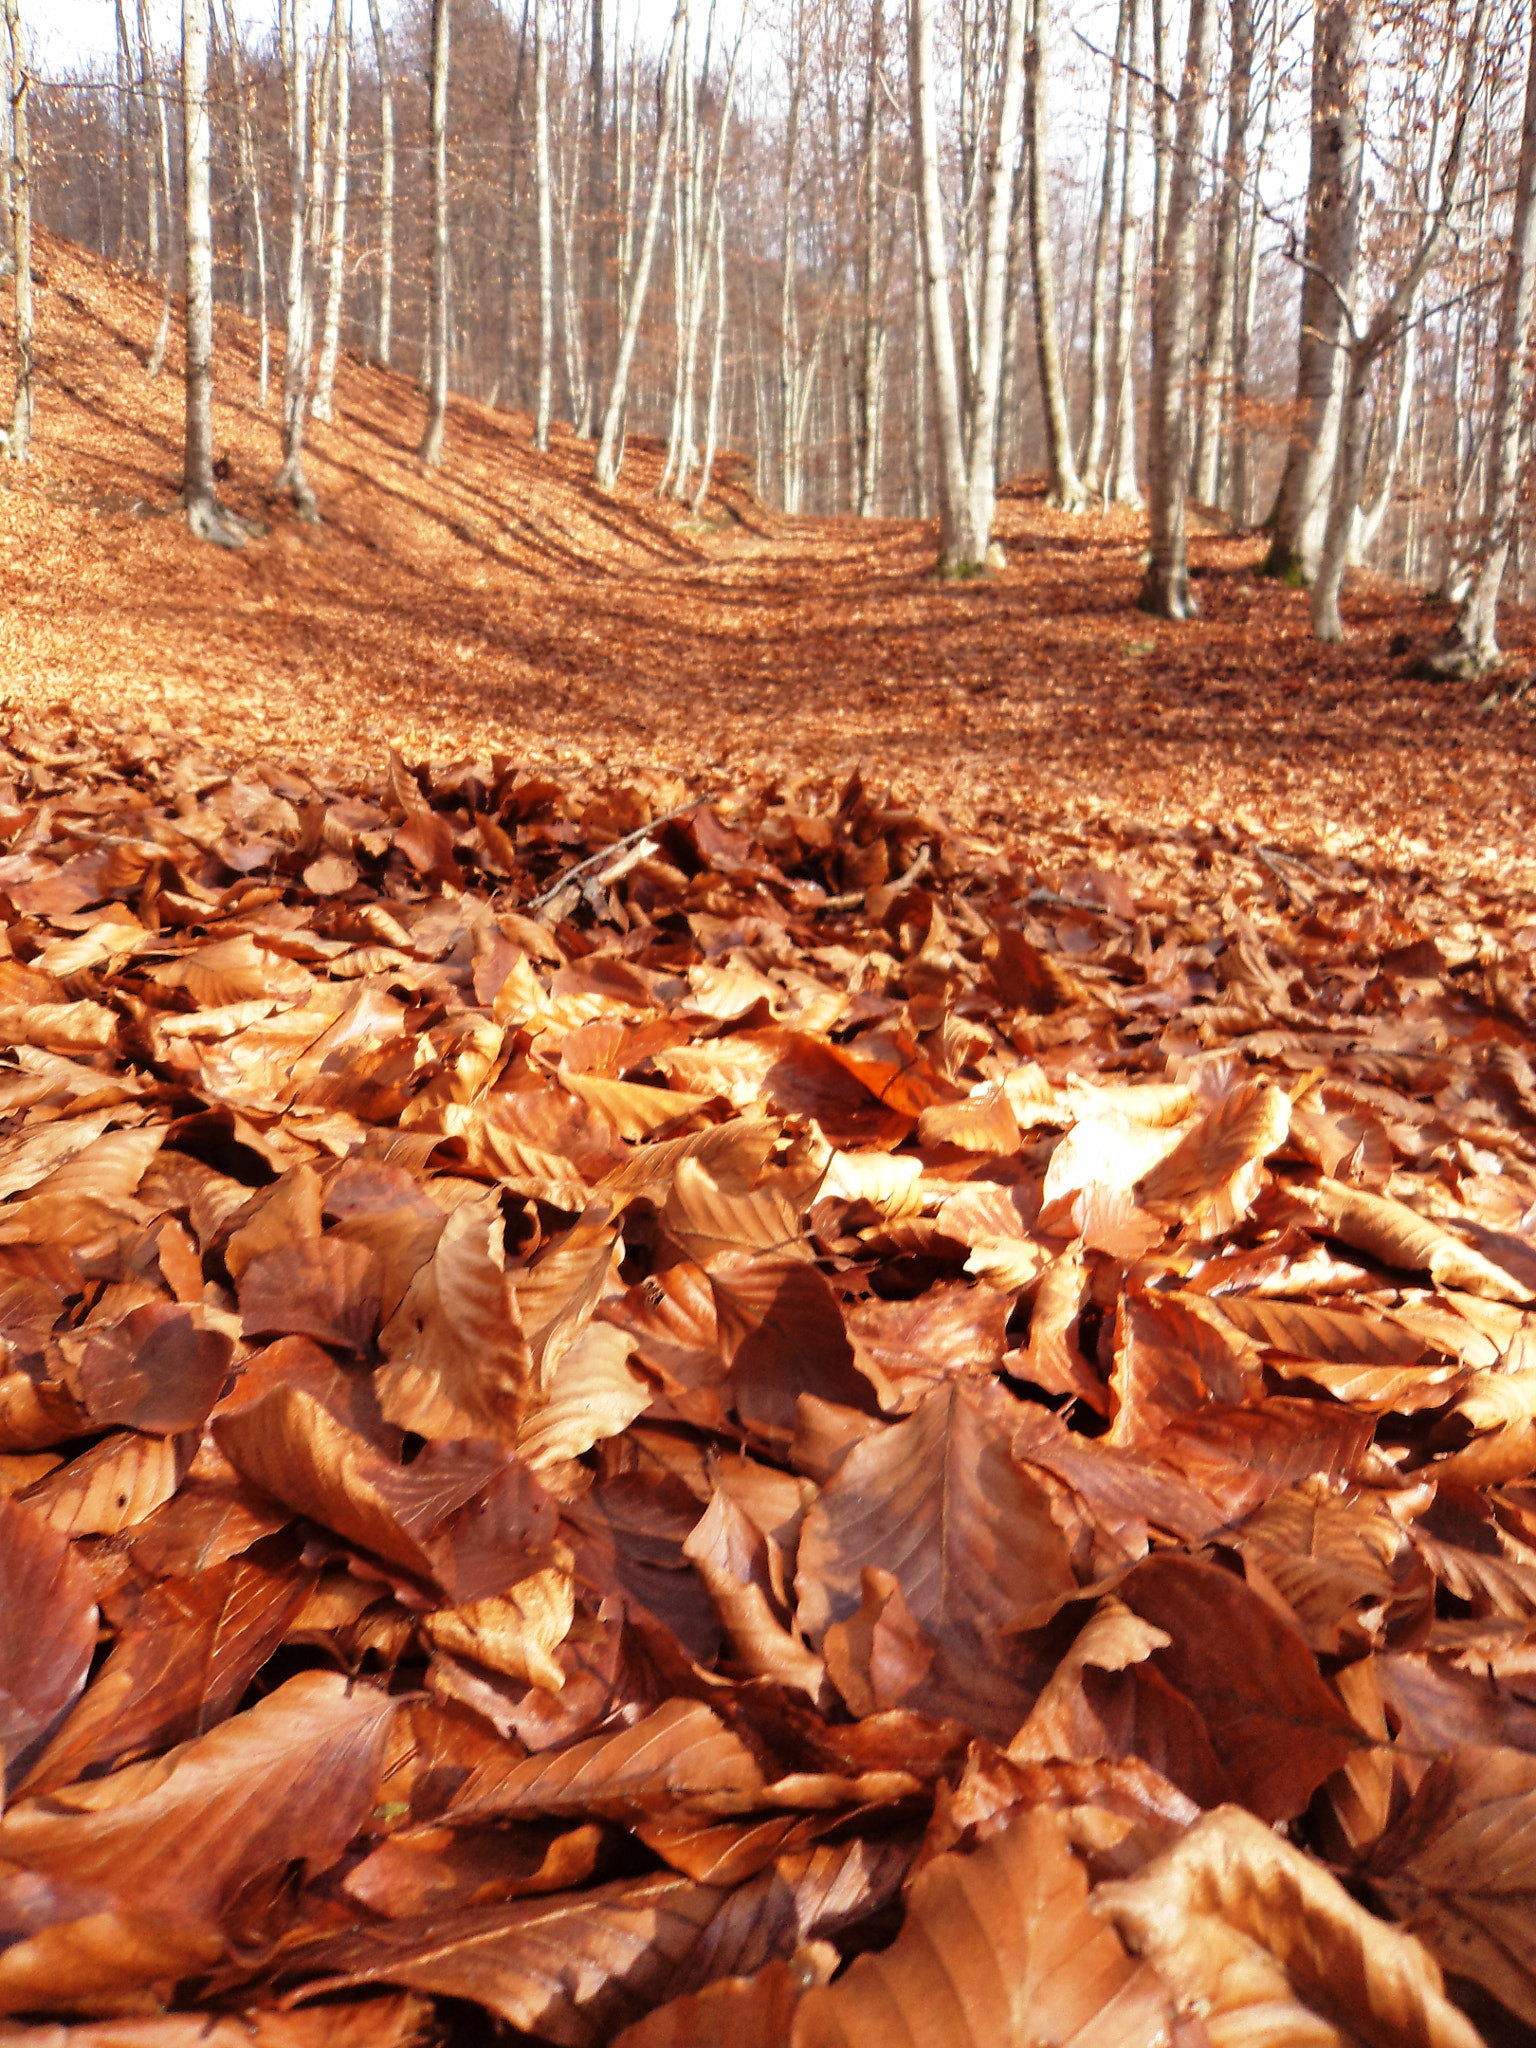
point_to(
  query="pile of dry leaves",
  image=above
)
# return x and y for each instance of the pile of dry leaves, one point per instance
(751, 1421)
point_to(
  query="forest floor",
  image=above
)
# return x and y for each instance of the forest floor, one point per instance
(504, 604)
(740, 1299)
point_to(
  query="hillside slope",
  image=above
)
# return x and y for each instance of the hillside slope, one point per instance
(505, 604)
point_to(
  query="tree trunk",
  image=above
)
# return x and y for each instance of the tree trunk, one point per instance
(919, 373)
(295, 59)
(789, 322)
(1066, 487)
(961, 550)
(871, 362)
(1364, 349)
(543, 183)
(1098, 290)
(19, 81)
(431, 449)
(1214, 385)
(597, 218)
(1124, 488)
(159, 157)
(198, 493)
(1473, 648)
(1166, 589)
(386, 186)
(712, 415)
(336, 282)
(1247, 302)
(605, 469)
(1002, 152)
(1339, 66)
(124, 132)
(250, 179)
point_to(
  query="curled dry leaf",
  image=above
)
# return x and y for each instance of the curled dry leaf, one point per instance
(999, 1949)
(47, 1629)
(1263, 1943)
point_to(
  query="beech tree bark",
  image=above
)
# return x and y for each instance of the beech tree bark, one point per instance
(386, 187)
(1216, 377)
(1339, 67)
(19, 85)
(1166, 588)
(255, 286)
(294, 49)
(336, 281)
(961, 549)
(1366, 347)
(1097, 431)
(1002, 151)
(1124, 489)
(159, 158)
(543, 183)
(431, 449)
(1473, 646)
(1066, 486)
(204, 514)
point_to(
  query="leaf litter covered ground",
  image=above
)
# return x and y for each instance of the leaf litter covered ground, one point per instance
(754, 1418)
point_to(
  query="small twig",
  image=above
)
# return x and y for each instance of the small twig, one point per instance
(852, 898)
(607, 853)
(1060, 902)
(1270, 854)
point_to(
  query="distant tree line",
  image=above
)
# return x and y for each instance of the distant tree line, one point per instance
(851, 243)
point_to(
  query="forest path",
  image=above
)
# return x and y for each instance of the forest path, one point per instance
(504, 604)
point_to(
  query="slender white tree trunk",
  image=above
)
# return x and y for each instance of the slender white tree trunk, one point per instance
(712, 416)
(1166, 589)
(159, 195)
(19, 83)
(1001, 152)
(1339, 75)
(1066, 487)
(336, 281)
(386, 185)
(542, 185)
(961, 549)
(198, 493)
(1216, 378)
(250, 179)
(293, 32)
(1124, 488)
(1365, 348)
(605, 468)
(431, 449)
(1098, 291)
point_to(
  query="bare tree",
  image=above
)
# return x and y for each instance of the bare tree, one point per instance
(1166, 588)
(961, 549)
(1001, 155)
(159, 194)
(1124, 487)
(204, 514)
(605, 468)
(1216, 370)
(386, 185)
(597, 222)
(294, 48)
(1366, 345)
(336, 282)
(1331, 253)
(543, 182)
(1066, 486)
(431, 449)
(19, 81)
(1472, 647)
(250, 181)
(1097, 432)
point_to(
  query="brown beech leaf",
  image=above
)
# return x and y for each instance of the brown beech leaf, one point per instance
(573, 1969)
(434, 1869)
(128, 1875)
(109, 1488)
(159, 1370)
(592, 1392)
(1264, 1944)
(181, 1666)
(1330, 1335)
(781, 1332)
(680, 1758)
(731, 1555)
(999, 1949)
(736, 2012)
(369, 2023)
(1459, 1868)
(937, 1501)
(1399, 1236)
(47, 1630)
(1275, 1725)
(459, 1364)
(516, 1632)
(1209, 1180)
(233, 971)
